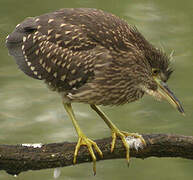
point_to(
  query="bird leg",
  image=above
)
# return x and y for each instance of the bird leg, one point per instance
(116, 132)
(82, 138)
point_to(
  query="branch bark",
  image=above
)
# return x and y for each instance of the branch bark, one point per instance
(15, 159)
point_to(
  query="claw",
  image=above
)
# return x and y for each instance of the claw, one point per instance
(116, 132)
(123, 135)
(85, 141)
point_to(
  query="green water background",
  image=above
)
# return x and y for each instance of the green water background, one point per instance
(30, 113)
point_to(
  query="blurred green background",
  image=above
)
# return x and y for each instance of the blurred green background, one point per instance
(30, 113)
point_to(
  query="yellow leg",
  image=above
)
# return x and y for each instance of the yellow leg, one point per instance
(82, 139)
(116, 132)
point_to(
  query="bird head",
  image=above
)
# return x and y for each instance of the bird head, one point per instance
(160, 72)
(153, 70)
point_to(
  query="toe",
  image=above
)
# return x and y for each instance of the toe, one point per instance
(97, 149)
(135, 135)
(76, 150)
(83, 140)
(113, 141)
(93, 158)
(127, 148)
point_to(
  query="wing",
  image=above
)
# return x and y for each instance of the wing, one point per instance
(53, 49)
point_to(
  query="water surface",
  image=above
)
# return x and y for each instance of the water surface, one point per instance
(30, 113)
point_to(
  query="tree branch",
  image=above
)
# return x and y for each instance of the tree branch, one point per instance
(15, 159)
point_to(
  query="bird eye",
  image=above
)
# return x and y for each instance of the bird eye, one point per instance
(155, 71)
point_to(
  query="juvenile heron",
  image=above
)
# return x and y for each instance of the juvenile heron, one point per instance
(93, 57)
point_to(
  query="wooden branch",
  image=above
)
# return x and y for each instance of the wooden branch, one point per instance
(15, 159)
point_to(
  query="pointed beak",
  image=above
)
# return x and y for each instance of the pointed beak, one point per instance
(167, 94)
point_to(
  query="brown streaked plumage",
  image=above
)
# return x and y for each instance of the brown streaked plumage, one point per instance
(93, 57)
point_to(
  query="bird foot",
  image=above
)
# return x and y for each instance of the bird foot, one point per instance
(85, 141)
(123, 135)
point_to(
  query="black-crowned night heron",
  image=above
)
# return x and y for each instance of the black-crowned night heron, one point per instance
(93, 57)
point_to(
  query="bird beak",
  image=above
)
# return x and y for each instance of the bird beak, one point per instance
(167, 94)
